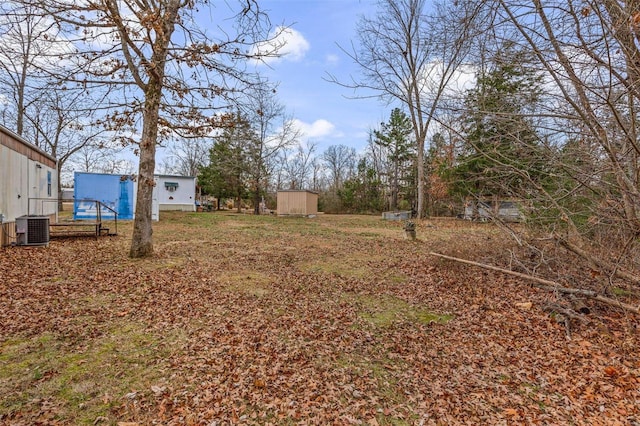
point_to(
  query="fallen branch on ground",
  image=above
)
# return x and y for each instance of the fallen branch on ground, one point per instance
(567, 312)
(548, 285)
(599, 263)
(564, 316)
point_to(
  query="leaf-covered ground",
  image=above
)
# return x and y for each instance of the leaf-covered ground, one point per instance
(332, 320)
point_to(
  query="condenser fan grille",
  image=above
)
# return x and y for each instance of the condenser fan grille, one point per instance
(32, 230)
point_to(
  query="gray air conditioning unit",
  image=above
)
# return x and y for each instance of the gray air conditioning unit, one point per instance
(32, 230)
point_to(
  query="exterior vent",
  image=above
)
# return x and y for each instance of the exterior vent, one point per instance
(32, 230)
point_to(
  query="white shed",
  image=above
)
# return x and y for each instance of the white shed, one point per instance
(28, 182)
(176, 192)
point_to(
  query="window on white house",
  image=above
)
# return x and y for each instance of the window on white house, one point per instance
(171, 186)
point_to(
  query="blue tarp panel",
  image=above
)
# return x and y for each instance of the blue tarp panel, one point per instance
(115, 191)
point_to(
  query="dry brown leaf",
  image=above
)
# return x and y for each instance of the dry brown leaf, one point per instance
(511, 412)
(524, 305)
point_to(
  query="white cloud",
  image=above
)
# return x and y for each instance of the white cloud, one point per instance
(317, 129)
(286, 43)
(461, 79)
(332, 59)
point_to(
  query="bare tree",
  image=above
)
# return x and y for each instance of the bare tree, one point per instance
(22, 45)
(275, 132)
(318, 177)
(340, 163)
(55, 117)
(99, 157)
(161, 74)
(61, 125)
(409, 57)
(187, 156)
(298, 166)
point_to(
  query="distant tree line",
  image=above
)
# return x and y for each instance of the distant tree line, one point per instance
(240, 168)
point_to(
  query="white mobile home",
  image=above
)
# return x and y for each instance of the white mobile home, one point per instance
(28, 181)
(489, 209)
(175, 192)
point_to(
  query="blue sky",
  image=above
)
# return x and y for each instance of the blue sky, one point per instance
(322, 109)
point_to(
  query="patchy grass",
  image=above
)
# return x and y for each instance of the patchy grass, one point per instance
(353, 265)
(621, 292)
(249, 282)
(384, 310)
(381, 370)
(84, 382)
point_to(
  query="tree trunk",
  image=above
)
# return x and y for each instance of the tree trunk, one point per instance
(142, 241)
(395, 187)
(59, 188)
(256, 201)
(420, 177)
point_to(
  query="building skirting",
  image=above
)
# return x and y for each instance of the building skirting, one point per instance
(178, 207)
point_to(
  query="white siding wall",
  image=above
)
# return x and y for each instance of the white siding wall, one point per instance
(182, 197)
(22, 179)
